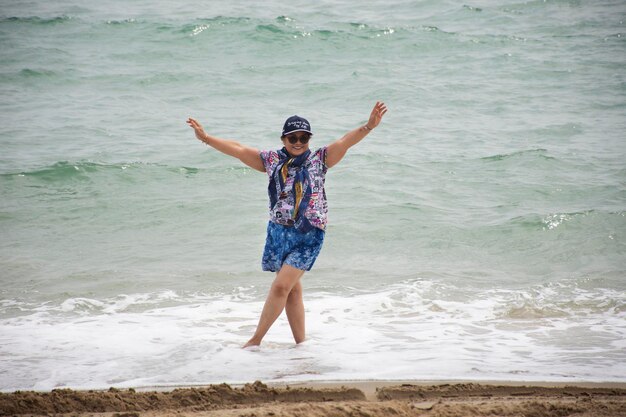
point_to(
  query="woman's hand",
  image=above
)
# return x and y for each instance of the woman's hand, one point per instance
(246, 154)
(376, 115)
(197, 127)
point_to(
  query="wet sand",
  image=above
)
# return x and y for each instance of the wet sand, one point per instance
(367, 398)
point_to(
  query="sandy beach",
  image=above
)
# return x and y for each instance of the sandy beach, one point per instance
(364, 398)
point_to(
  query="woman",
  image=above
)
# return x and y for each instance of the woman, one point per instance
(298, 207)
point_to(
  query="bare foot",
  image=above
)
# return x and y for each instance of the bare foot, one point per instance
(251, 343)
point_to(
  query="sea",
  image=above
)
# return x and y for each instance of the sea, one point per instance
(479, 233)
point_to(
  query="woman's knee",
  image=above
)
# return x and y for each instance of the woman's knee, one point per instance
(296, 291)
(281, 288)
(287, 280)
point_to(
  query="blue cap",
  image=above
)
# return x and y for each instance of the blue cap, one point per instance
(296, 124)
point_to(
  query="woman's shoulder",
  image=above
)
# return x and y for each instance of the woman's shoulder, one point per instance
(318, 157)
(270, 159)
(269, 155)
(319, 153)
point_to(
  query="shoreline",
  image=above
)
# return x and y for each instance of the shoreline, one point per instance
(363, 384)
(369, 387)
(338, 398)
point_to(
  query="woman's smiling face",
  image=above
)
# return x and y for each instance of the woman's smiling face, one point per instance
(296, 143)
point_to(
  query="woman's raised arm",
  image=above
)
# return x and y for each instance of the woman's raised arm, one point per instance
(246, 154)
(338, 149)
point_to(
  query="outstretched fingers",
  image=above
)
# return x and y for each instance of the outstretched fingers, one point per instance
(377, 114)
(197, 127)
(380, 108)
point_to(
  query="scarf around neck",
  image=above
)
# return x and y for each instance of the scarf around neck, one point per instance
(301, 186)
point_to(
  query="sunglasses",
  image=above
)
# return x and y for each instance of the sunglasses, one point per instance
(303, 139)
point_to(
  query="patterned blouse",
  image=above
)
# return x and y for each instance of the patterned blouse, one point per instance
(316, 212)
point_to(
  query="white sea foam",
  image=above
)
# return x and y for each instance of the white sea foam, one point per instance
(495, 334)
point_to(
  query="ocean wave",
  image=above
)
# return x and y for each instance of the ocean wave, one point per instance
(136, 303)
(573, 298)
(532, 309)
(32, 73)
(37, 20)
(404, 300)
(552, 221)
(568, 299)
(64, 170)
(289, 29)
(524, 7)
(620, 36)
(200, 25)
(535, 153)
(281, 27)
(122, 22)
(472, 8)
(545, 221)
(261, 30)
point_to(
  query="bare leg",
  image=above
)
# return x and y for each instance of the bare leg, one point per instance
(285, 280)
(295, 312)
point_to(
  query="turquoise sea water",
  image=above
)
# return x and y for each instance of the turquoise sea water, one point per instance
(479, 232)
